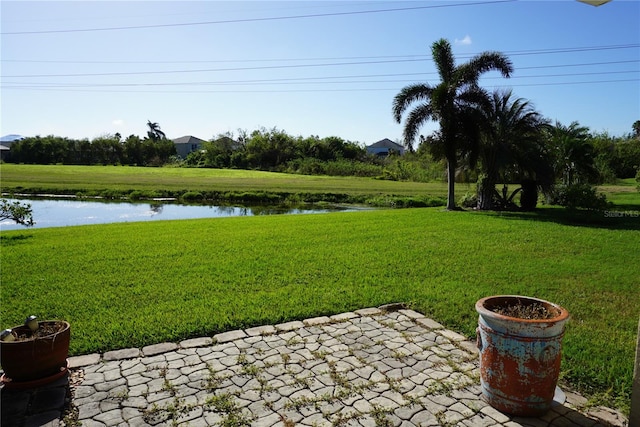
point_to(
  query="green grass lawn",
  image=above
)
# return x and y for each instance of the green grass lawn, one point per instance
(87, 179)
(133, 284)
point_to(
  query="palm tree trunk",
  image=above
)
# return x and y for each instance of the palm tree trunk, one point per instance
(451, 179)
(486, 188)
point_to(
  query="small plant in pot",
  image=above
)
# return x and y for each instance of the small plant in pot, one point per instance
(34, 353)
(520, 342)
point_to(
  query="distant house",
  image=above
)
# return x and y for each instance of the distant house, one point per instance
(187, 144)
(7, 140)
(5, 144)
(384, 147)
(4, 152)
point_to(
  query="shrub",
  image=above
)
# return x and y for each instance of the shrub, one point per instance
(192, 196)
(143, 195)
(529, 195)
(469, 200)
(135, 195)
(406, 202)
(402, 170)
(576, 196)
(260, 197)
(341, 167)
(638, 179)
(110, 194)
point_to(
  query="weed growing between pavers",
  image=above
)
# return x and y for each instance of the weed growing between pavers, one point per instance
(120, 395)
(233, 415)
(442, 419)
(379, 415)
(286, 421)
(213, 380)
(166, 384)
(171, 411)
(248, 369)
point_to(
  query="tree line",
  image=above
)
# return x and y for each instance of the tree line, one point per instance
(273, 150)
(576, 154)
(103, 150)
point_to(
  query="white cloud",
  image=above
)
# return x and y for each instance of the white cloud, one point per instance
(465, 41)
(118, 122)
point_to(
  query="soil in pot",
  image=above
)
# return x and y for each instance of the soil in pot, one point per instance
(44, 330)
(532, 310)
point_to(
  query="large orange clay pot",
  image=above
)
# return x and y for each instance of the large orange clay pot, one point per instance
(519, 358)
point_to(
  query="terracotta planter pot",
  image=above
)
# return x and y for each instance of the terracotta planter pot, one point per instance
(35, 359)
(519, 358)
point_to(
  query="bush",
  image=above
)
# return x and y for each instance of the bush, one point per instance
(406, 202)
(638, 179)
(192, 196)
(468, 200)
(143, 195)
(110, 194)
(529, 195)
(342, 167)
(576, 196)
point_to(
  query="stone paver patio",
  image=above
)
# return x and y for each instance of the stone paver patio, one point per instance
(372, 367)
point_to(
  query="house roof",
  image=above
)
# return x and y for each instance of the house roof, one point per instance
(4, 148)
(386, 143)
(11, 138)
(188, 139)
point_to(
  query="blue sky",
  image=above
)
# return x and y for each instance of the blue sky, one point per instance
(79, 69)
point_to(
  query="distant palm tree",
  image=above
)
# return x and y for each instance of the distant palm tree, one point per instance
(636, 129)
(450, 103)
(154, 133)
(573, 153)
(511, 146)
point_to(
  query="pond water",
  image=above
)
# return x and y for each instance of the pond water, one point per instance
(62, 213)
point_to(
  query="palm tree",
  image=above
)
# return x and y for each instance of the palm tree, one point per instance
(573, 153)
(511, 146)
(636, 129)
(450, 103)
(154, 133)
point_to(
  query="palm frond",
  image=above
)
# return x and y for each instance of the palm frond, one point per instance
(470, 72)
(443, 58)
(469, 134)
(408, 96)
(442, 98)
(475, 95)
(416, 118)
(512, 142)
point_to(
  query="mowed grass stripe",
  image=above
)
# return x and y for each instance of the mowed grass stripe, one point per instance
(68, 179)
(134, 284)
(83, 178)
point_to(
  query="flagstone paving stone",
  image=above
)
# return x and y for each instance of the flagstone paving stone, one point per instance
(371, 367)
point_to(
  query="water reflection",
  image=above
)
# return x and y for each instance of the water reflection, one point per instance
(62, 213)
(156, 208)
